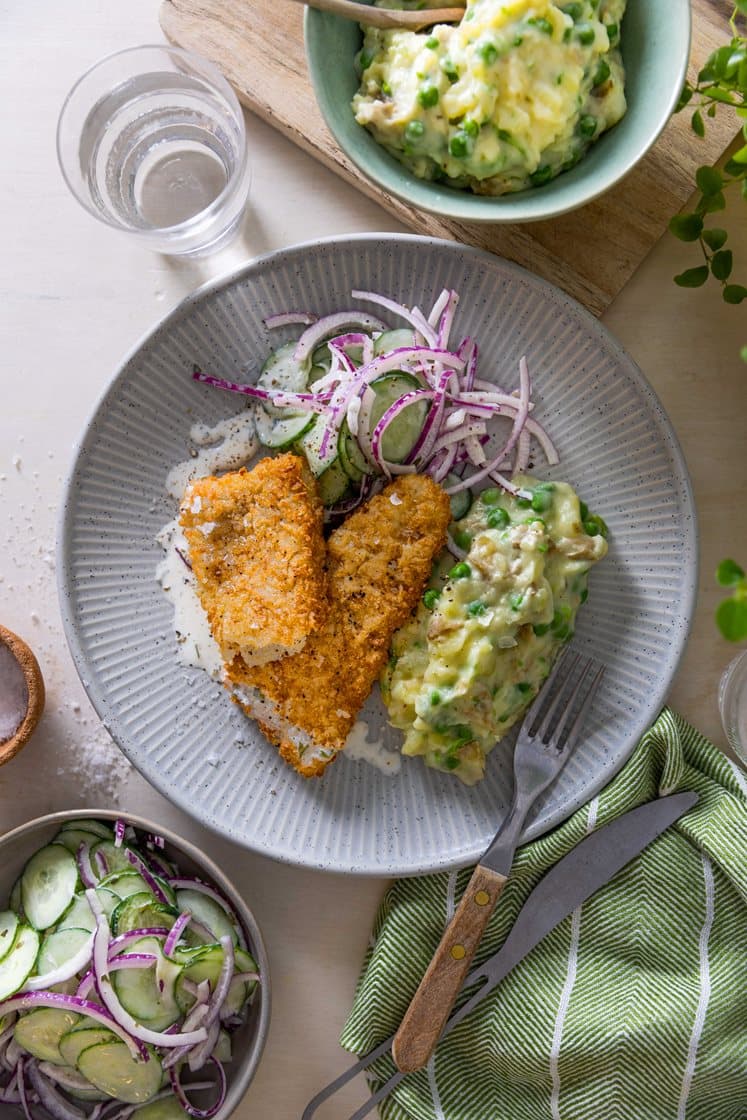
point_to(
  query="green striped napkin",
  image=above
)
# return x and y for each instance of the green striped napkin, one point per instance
(634, 1007)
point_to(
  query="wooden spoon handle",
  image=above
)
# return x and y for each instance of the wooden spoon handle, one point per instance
(389, 17)
(431, 1005)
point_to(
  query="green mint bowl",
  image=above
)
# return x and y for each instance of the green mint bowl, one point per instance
(655, 43)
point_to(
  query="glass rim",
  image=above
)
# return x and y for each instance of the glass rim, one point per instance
(189, 224)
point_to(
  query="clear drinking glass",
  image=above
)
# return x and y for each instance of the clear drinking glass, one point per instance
(732, 702)
(151, 141)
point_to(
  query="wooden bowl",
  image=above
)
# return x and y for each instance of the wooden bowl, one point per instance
(9, 748)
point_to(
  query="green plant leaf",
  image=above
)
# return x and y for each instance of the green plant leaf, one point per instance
(740, 157)
(734, 293)
(728, 573)
(685, 97)
(743, 353)
(713, 203)
(693, 277)
(687, 227)
(715, 238)
(741, 5)
(697, 123)
(709, 180)
(721, 264)
(731, 618)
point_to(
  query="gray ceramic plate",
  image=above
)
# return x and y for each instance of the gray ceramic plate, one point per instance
(181, 730)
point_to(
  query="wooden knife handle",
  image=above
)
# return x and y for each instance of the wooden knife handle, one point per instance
(431, 1005)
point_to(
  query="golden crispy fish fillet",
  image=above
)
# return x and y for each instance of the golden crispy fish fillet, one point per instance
(257, 552)
(379, 561)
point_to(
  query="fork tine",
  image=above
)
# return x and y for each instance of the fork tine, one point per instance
(532, 717)
(554, 688)
(556, 734)
(586, 704)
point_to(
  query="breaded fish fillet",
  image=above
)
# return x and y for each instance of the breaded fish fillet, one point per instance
(257, 552)
(379, 561)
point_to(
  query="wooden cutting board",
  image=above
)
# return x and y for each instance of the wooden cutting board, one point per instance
(590, 253)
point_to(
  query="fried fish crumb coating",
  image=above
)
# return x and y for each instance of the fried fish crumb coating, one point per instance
(378, 563)
(257, 552)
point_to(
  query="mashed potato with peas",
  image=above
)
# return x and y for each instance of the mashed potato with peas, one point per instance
(504, 100)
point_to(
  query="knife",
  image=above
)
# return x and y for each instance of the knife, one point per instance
(572, 880)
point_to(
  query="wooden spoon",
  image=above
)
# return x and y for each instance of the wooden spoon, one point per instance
(389, 17)
(9, 748)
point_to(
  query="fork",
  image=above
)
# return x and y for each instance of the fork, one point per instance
(548, 735)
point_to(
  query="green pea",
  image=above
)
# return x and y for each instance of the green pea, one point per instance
(524, 687)
(430, 598)
(498, 518)
(476, 609)
(450, 70)
(488, 53)
(515, 601)
(541, 175)
(587, 126)
(575, 11)
(541, 500)
(432, 43)
(472, 128)
(414, 130)
(594, 526)
(541, 628)
(463, 539)
(518, 40)
(542, 24)
(460, 571)
(584, 595)
(550, 486)
(462, 734)
(458, 147)
(524, 503)
(365, 58)
(543, 546)
(451, 762)
(386, 89)
(612, 32)
(428, 96)
(583, 510)
(535, 521)
(490, 497)
(585, 34)
(602, 73)
(435, 699)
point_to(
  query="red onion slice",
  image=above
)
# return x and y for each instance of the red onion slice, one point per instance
(176, 931)
(200, 1113)
(289, 319)
(87, 875)
(119, 833)
(56, 1106)
(142, 869)
(328, 325)
(59, 1001)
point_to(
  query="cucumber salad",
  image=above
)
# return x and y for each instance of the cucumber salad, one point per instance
(121, 982)
(364, 400)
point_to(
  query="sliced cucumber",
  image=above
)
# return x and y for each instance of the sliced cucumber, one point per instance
(148, 993)
(15, 901)
(141, 911)
(166, 1109)
(77, 1085)
(245, 962)
(8, 931)
(461, 502)
(72, 838)
(223, 1051)
(58, 947)
(124, 883)
(72, 1044)
(41, 1031)
(167, 889)
(403, 432)
(208, 912)
(353, 461)
(310, 446)
(333, 484)
(321, 359)
(111, 1067)
(240, 991)
(98, 828)
(283, 372)
(393, 340)
(18, 963)
(281, 434)
(116, 857)
(48, 884)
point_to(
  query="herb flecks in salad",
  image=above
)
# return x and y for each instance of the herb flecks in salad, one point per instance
(364, 401)
(118, 976)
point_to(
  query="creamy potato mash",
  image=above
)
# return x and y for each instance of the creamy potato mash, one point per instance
(484, 638)
(506, 99)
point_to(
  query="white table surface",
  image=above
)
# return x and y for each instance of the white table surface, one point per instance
(75, 298)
